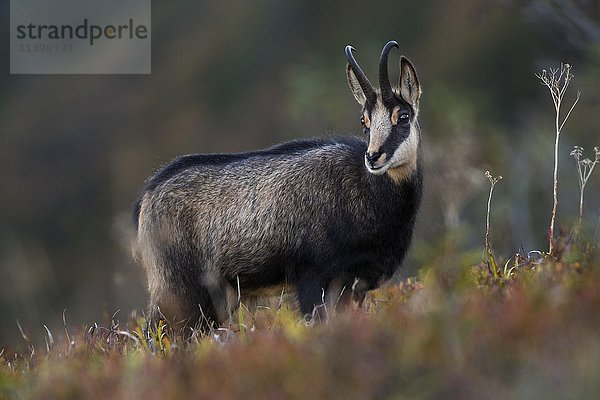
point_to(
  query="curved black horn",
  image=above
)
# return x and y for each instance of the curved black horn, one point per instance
(363, 81)
(384, 80)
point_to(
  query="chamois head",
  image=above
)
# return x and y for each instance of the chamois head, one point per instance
(389, 115)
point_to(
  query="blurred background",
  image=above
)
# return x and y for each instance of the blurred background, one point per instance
(236, 76)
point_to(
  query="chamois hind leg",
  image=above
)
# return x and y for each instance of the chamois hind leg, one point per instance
(197, 303)
(216, 301)
(188, 292)
(205, 308)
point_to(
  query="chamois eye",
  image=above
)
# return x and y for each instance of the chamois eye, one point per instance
(404, 117)
(362, 121)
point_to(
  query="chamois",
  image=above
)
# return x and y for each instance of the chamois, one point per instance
(325, 216)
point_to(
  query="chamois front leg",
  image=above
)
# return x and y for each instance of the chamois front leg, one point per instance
(351, 289)
(310, 293)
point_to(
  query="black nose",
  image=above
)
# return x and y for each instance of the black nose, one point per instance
(373, 157)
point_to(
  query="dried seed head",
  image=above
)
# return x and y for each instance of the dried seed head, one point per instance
(492, 180)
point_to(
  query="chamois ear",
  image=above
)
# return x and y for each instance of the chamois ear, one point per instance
(409, 86)
(355, 88)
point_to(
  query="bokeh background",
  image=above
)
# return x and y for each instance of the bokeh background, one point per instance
(234, 76)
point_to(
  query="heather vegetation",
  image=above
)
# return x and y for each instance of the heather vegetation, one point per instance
(531, 331)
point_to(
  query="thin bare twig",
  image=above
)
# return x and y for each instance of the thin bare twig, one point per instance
(557, 81)
(493, 181)
(585, 167)
(570, 109)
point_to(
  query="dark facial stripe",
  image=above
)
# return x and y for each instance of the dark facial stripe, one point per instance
(398, 135)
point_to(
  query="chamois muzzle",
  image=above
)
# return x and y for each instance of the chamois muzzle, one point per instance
(363, 81)
(372, 158)
(384, 81)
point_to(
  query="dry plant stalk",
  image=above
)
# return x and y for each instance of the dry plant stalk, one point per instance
(584, 168)
(488, 249)
(557, 81)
